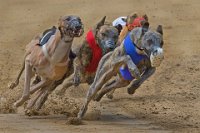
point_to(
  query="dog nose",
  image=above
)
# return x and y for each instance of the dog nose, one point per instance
(110, 44)
(78, 27)
(156, 57)
(155, 52)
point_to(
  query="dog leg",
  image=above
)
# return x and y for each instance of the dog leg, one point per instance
(109, 95)
(132, 67)
(106, 69)
(93, 91)
(106, 89)
(136, 83)
(42, 99)
(32, 102)
(26, 91)
(102, 67)
(36, 80)
(46, 90)
(69, 82)
(77, 72)
(114, 84)
(36, 87)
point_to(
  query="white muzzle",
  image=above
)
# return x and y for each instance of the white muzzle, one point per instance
(157, 57)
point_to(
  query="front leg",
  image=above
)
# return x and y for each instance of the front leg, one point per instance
(118, 82)
(136, 83)
(77, 72)
(132, 67)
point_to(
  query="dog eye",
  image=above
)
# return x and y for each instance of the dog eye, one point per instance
(103, 34)
(115, 37)
(149, 42)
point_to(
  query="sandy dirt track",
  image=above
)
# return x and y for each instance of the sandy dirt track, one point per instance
(167, 102)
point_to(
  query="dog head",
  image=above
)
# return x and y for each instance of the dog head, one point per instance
(151, 43)
(134, 20)
(106, 36)
(71, 25)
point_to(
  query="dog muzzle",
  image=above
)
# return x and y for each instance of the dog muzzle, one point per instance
(107, 46)
(75, 28)
(157, 57)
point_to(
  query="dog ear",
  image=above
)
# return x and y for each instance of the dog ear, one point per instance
(101, 22)
(130, 18)
(145, 17)
(160, 29)
(145, 27)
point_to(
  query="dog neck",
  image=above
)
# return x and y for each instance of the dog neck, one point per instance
(58, 50)
(136, 38)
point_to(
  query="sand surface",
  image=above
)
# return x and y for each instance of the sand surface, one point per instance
(167, 102)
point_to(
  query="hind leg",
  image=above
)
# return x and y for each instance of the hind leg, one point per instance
(26, 92)
(93, 91)
(36, 80)
(104, 74)
(36, 87)
(46, 90)
(68, 83)
(103, 67)
(114, 84)
(45, 93)
(32, 101)
(42, 99)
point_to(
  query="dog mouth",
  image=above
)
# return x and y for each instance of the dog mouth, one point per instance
(76, 29)
(157, 57)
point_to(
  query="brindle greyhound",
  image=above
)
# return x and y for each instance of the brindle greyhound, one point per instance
(133, 61)
(48, 61)
(99, 41)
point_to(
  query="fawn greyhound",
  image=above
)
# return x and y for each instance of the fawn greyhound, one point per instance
(100, 40)
(47, 55)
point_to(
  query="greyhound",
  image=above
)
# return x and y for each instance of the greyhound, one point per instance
(82, 74)
(132, 62)
(100, 40)
(48, 61)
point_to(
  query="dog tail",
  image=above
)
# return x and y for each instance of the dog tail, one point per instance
(14, 84)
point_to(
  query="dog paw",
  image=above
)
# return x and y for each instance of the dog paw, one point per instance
(12, 85)
(14, 106)
(131, 90)
(60, 92)
(76, 81)
(74, 121)
(109, 96)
